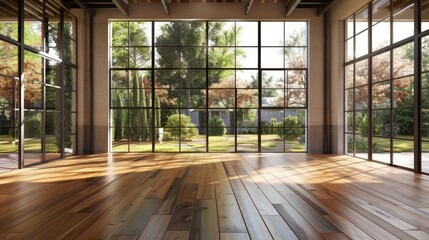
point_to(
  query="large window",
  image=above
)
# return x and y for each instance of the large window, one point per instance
(48, 110)
(208, 86)
(380, 96)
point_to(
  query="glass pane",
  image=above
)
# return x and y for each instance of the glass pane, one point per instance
(32, 137)
(119, 57)
(381, 35)
(220, 57)
(247, 98)
(221, 34)
(403, 22)
(272, 33)
(70, 23)
(247, 139)
(381, 149)
(381, 95)
(425, 124)
(119, 79)
(296, 97)
(425, 157)
(425, 53)
(221, 98)
(361, 98)
(381, 123)
(403, 93)
(193, 57)
(273, 79)
(33, 27)
(273, 98)
(220, 118)
(403, 60)
(167, 79)
(9, 21)
(246, 78)
(119, 33)
(361, 20)
(167, 33)
(219, 142)
(349, 100)
(380, 10)
(403, 123)
(424, 11)
(53, 73)
(33, 77)
(8, 59)
(295, 34)
(167, 57)
(247, 57)
(247, 118)
(140, 57)
(381, 67)
(350, 144)
(296, 79)
(349, 128)
(361, 44)
(53, 135)
(247, 33)
(350, 50)
(362, 122)
(70, 52)
(349, 27)
(195, 144)
(361, 73)
(221, 79)
(361, 146)
(348, 75)
(168, 140)
(119, 98)
(295, 57)
(272, 57)
(193, 33)
(403, 153)
(53, 98)
(142, 144)
(140, 33)
(192, 78)
(53, 40)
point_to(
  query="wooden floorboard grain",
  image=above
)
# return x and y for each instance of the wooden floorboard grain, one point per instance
(220, 196)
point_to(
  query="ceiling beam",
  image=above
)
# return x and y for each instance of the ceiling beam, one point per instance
(84, 7)
(321, 11)
(248, 7)
(164, 4)
(122, 6)
(290, 7)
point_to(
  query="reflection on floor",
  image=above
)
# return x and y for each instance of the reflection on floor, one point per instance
(214, 196)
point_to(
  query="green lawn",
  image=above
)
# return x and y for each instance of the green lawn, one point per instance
(31, 145)
(246, 142)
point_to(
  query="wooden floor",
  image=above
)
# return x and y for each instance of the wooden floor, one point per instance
(213, 196)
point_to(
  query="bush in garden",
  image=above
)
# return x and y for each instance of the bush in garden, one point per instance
(180, 126)
(265, 127)
(290, 128)
(32, 125)
(217, 126)
(273, 126)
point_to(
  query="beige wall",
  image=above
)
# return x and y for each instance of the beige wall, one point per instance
(339, 12)
(206, 11)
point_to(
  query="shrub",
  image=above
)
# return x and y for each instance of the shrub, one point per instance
(180, 126)
(32, 126)
(217, 126)
(290, 128)
(265, 127)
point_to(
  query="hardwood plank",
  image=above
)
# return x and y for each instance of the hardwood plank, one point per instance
(301, 228)
(176, 235)
(279, 228)
(234, 236)
(205, 224)
(155, 228)
(254, 222)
